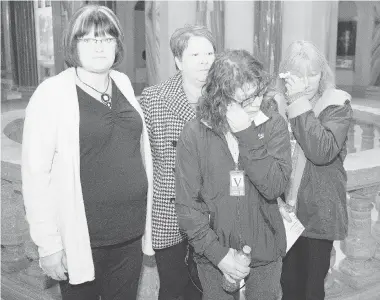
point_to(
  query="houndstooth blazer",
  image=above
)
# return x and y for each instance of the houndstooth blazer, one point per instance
(166, 110)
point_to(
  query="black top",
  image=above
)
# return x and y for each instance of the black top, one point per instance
(113, 178)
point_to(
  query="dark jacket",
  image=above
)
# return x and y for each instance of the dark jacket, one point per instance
(322, 206)
(212, 219)
(166, 110)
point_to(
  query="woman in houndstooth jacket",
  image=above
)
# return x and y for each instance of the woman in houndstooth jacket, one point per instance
(167, 108)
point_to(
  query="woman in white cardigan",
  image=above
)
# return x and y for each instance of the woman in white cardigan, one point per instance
(87, 167)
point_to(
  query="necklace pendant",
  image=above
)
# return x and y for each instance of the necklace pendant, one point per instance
(106, 99)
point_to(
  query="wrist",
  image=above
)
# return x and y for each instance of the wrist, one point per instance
(291, 98)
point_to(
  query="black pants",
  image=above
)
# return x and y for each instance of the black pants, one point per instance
(117, 273)
(304, 269)
(174, 278)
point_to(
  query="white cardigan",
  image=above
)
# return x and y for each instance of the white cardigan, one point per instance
(51, 173)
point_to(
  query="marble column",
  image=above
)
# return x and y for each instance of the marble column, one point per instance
(375, 58)
(358, 269)
(152, 41)
(14, 230)
(351, 139)
(6, 45)
(368, 136)
(19, 257)
(376, 228)
(363, 50)
(163, 18)
(62, 12)
(268, 33)
(24, 37)
(210, 13)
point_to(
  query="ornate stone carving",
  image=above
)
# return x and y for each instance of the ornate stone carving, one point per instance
(358, 269)
(351, 139)
(376, 228)
(368, 136)
(14, 230)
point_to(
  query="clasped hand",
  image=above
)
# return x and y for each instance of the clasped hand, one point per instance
(55, 265)
(231, 267)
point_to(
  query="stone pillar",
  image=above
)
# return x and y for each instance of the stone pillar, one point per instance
(365, 26)
(152, 41)
(19, 254)
(351, 139)
(163, 21)
(62, 12)
(22, 17)
(14, 230)
(210, 13)
(357, 269)
(368, 136)
(376, 228)
(268, 33)
(6, 45)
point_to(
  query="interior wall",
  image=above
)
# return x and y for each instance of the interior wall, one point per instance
(125, 13)
(243, 23)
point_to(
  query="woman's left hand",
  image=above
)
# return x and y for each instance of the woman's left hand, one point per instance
(285, 210)
(237, 118)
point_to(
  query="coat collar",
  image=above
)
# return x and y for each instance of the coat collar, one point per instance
(176, 99)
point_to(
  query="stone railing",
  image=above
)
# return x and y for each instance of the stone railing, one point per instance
(355, 272)
(21, 276)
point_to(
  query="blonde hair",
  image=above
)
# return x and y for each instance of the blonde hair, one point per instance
(302, 57)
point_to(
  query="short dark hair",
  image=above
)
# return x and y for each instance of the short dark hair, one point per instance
(99, 18)
(230, 71)
(180, 38)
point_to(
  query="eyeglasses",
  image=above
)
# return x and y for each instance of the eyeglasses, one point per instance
(91, 41)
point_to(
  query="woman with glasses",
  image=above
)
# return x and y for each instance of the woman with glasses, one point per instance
(87, 166)
(233, 161)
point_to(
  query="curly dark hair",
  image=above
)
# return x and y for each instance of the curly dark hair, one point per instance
(230, 71)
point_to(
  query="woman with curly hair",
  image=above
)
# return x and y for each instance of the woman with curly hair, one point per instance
(233, 161)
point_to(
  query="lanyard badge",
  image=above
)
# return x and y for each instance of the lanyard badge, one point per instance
(237, 186)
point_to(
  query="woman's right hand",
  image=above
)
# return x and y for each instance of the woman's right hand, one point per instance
(228, 265)
(55, 265)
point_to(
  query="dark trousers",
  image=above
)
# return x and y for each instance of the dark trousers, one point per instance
(263, 282)
(175, 282)
(117, 273)
(304, 269)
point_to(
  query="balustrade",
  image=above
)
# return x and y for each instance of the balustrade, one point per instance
(368, 136)
(359, 270)
(19, 256)
(351, 139)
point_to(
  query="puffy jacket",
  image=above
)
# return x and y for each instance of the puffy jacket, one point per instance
(213, 220)
(322, 206)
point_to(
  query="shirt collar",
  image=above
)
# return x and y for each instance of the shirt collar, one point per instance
(259, 118)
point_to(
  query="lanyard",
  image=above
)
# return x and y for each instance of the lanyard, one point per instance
(233, 145)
